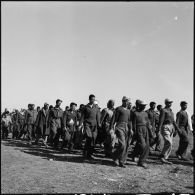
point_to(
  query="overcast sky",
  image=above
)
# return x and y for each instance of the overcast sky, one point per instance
(68, 50)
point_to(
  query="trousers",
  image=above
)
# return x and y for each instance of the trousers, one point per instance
(167, 133)
(122, 134)
(183, 142)
(91, 135)
(142, 143)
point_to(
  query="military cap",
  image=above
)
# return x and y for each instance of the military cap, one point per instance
(125, 98)
(168, 101)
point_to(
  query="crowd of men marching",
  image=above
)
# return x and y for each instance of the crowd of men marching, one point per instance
(115, 129)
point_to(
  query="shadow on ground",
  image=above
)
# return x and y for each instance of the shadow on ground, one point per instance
(76, 155)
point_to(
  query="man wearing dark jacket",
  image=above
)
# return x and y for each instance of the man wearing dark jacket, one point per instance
(168, 128)
(141, 125)
(69, 121)
(154, 137)
(56, 123)
(41, 124)
(121, 120)
(182, 121)
(29, 121)
(91, 121)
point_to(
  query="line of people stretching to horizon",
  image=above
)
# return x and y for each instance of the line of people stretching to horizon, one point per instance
(115, 129)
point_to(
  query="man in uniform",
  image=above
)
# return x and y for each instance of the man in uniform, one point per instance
(154, 137)
(91, 121)
(184, 123)
(121, 119)
(106, 116)
(29, 120)
(56, 123)
(69, 121)
(42, 124)
(168, 128)
(141, 126)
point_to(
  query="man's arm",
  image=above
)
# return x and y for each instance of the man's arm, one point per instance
(82, 118)
(103, 115)
(98, 118)
(114, 119)
(64, 119)
(161, 120)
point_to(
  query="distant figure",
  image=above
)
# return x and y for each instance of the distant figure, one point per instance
(38, 108)
(183, 121)
(67, 108)
(91, 121)
(168, 128)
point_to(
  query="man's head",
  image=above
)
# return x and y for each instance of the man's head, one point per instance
(38, 108)
(110, 104)
(168, 102)
(183, 105)
(50, 107)
(91, 99)
(73, 106)
(81, 106)
(46, 106)
(67, 108)
(129, 106)
(152, 105)
(137, 103)
(58, 102)
(125, 101)
(159, 107)
(142, 105)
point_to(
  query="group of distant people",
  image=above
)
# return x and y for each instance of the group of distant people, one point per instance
(115, 129)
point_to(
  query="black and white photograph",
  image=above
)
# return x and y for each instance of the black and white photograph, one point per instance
(97, 97)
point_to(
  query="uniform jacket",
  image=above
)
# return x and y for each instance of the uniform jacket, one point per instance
(56, 117)
(42, 119)
(30, 116)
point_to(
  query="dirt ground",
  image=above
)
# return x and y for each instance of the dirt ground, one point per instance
(28, 169)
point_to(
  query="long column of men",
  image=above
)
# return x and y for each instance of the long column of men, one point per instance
(125, 131)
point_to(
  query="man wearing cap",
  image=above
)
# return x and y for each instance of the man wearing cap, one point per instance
(91, 121)
(106, 116)
(29, 121)
(41, 124)
(141, 126)
(121, 120)
(184, 123)
(168, 128)
(154, 137)
(56, 123)
(69, 121)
